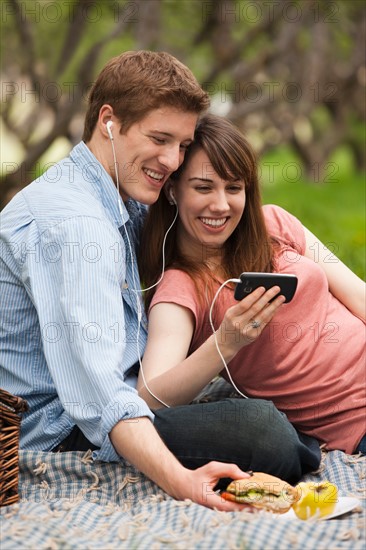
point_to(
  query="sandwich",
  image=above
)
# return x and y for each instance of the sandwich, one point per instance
(262, 491)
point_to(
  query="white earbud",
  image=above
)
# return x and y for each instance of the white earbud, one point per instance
(172, 197)
(109, 129)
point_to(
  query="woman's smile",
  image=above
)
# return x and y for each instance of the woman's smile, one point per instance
(214, 223)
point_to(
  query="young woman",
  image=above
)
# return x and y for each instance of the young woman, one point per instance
(308, 358)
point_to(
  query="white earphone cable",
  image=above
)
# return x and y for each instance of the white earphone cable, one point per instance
(215, 335)
(136, 290)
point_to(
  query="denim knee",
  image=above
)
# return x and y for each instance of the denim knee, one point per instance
(270, 427)
(277, 447)
(249, 432)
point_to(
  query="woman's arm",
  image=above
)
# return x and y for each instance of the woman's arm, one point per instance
(177, 379)
(168, 374)
(343, 283)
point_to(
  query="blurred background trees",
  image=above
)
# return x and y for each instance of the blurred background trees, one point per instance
(290, 74)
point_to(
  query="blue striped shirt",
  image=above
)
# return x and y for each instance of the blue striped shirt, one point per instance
(69, 336)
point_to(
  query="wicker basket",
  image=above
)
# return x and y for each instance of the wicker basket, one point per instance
(10, 417)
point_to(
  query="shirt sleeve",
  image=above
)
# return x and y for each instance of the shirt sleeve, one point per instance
(75, 284)
(285, 227)
(178, 288)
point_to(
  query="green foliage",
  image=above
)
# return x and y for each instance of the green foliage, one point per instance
(333, 209)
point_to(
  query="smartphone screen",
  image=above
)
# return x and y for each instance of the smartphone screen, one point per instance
(252, 280)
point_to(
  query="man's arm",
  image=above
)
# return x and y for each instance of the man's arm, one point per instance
(139, 443)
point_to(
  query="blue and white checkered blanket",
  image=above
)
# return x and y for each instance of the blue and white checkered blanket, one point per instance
(69, 502)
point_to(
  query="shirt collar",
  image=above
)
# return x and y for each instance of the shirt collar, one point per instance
(101, 183)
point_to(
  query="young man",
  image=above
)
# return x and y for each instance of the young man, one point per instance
(72, 328)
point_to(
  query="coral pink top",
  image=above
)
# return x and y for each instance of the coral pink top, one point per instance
(309, 360)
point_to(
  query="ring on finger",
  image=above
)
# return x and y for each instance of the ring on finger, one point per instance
(255, 324)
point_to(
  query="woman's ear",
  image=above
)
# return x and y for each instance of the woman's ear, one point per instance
(169, 192)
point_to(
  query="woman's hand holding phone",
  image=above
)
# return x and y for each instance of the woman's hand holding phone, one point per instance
(245, 321)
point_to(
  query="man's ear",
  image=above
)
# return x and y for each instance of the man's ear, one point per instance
(106, 117)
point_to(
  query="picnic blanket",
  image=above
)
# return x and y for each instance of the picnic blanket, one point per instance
(67, 501)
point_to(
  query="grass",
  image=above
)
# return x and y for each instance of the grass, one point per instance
(333, 209)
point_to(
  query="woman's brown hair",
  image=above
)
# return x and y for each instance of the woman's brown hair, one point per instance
(249, 248)
(136, 82)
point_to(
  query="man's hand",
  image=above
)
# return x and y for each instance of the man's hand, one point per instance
(201, 483)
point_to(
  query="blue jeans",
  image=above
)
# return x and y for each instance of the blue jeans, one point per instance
(251, 433)
(361, 448)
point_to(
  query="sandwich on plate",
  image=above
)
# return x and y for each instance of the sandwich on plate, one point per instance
(263, 491)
